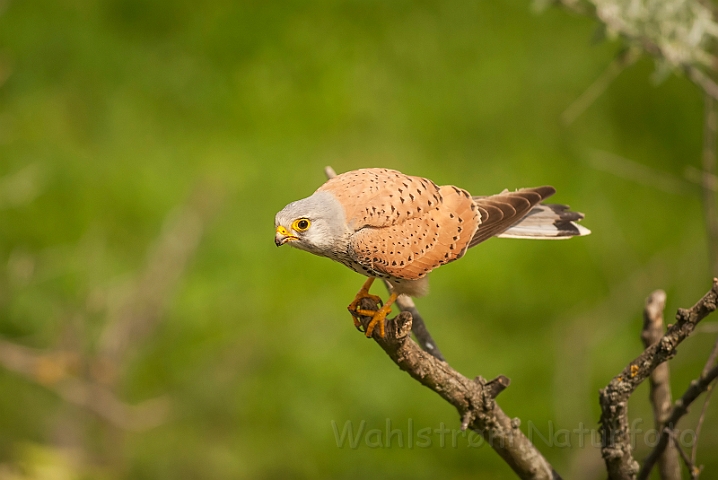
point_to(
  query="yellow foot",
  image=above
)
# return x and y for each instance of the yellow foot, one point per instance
(362, 294)
(377, 317)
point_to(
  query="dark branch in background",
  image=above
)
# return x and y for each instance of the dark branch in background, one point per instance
(712, 358)
(679, 410)
(418, 327)
(406, 304)
(668, 464)
(694, 471)
(473, 399)
(710, 363)
(615, 435)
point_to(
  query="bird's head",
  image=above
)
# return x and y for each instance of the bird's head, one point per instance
(315, 224)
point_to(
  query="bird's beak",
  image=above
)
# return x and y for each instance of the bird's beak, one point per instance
(283, 236)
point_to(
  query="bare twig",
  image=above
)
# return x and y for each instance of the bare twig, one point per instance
(710, 130)
(712, 358)
(616, 445)
(710, 363)
(139, 314)
(56, 371)
(699, 425)
(679, 410)
(692, 469)
(473, 399)
(418, 327)
(63, 372)
(637, 172)
(406, 304)
(661, 401)
(625, 59)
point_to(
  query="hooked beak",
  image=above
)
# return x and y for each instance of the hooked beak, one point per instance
(283, 236)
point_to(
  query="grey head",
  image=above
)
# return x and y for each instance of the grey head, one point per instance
(316, 224)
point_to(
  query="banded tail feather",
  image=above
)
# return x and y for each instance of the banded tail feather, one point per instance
(521, 214)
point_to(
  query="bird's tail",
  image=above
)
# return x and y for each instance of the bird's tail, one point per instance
(521, 214)
(547, 222)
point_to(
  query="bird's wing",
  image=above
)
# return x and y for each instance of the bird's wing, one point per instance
(412, 248)
(500, 212)
(378, 197)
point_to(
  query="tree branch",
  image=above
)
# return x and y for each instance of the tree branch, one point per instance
(615, 436)
(679, 410)
(473, 399)
(668, 464)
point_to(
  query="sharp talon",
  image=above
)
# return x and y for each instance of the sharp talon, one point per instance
(357, 323)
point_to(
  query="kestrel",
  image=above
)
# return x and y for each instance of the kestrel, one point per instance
(384, 224)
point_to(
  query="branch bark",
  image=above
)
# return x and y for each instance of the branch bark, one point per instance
(668, 464)
(473, 399)
(615, 435)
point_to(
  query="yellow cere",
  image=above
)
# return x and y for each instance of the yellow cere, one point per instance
(283, 231)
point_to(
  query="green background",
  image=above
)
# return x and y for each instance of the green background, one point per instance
(112, 113)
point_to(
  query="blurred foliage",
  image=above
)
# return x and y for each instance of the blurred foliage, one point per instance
(112, 113)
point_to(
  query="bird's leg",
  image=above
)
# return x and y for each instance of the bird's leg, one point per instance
(362, 294)
(378, 316)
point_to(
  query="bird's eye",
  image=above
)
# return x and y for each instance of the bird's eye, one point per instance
(301, 225)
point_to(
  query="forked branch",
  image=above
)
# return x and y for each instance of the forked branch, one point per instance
(473, 399)
(615, 435)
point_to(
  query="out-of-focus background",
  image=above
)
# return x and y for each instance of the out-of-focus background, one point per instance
(149, 328)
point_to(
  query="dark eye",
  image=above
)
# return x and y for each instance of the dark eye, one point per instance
(301, 225)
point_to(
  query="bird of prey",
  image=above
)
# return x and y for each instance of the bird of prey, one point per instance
(384, 224)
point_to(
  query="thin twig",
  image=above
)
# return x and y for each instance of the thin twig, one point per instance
(710, 363)
(615, 435)
(660, 396)
(137, 317)
(473, 399)
(706, 370)
(57, 371)
(624, 59)
(418, 327)
(637, 172)
(679, 410)
(699, 425)
(406, 304)
(695, 472)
